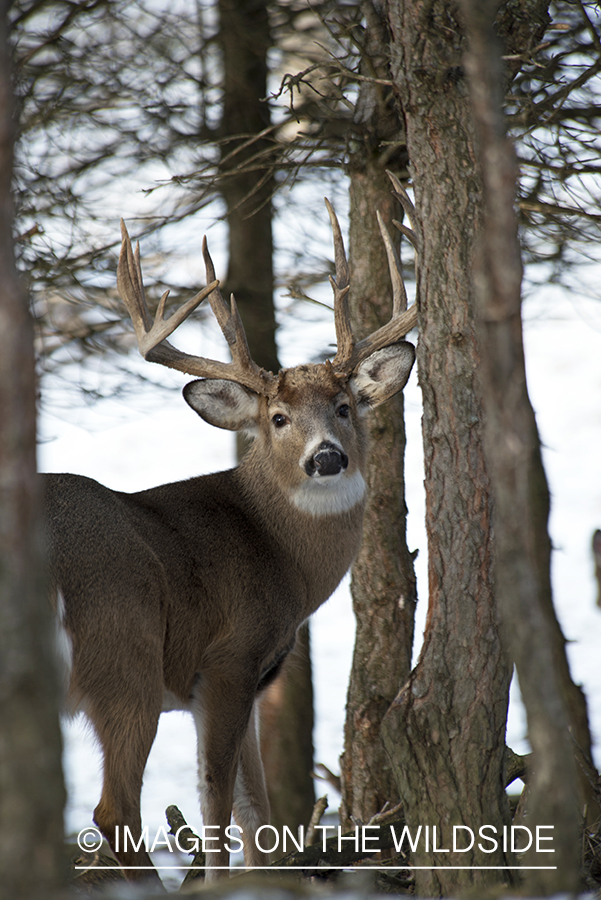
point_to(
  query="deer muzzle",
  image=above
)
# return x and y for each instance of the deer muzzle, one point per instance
(328, 459)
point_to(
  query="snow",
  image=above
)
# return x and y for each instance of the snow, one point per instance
(563, 348)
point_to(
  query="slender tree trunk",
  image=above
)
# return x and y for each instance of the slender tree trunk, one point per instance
(383, 580)
(556, 710)
(247, 185)
(32, 793)
(287, 731)
(247, 177)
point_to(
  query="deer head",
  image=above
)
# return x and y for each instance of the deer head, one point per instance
(306, 419)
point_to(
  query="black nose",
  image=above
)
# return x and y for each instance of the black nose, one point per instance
(328, 459)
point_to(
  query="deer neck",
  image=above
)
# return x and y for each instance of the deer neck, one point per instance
(320, 537)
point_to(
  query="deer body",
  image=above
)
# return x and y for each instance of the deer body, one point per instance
(189, 595)
(201, 557)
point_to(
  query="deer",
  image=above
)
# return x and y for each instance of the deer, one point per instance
(189, 595)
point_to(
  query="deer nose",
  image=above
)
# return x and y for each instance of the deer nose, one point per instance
(328, 459)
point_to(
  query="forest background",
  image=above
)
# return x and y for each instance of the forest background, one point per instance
(354, 89)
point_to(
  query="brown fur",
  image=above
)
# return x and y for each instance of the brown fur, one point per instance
(197, 588)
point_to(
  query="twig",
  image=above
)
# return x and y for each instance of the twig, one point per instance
(386, 814)
(322, 772)
(318, 811)
(344, 853)
(186, 838)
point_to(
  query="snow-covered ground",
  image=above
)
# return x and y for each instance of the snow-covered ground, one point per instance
(128, 448)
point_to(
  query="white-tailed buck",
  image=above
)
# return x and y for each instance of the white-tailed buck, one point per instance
(188, 596)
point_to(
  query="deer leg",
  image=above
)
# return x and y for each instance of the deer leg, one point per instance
(221, 713)
(126, 729)
(251, 804)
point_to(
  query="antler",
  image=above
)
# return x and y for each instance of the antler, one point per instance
(152, 336)
(350, 353)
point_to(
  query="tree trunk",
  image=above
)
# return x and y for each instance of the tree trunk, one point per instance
(383, 580)
(445, 732)
(446, 729)
(287, 738)
(247, 185)
(247, 177)
(32, 793)
(554, 705)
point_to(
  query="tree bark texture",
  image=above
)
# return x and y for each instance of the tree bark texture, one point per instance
(247, 175)
(445, 732)
(32, 792)
(383, 581)
(556, 710)
(287, 738)
(247, 185)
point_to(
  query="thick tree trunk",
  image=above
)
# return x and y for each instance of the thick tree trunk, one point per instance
(556, 710)
(32, 793)
(446, 730)
(383, 580)
(247, 185)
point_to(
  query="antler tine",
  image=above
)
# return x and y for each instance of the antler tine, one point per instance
(409, 234)
(130, 285)
(342, 270)
(151, 336)
(399, 192)
(340, 285)
(233, 330)
(414, 234)
(388, 334)
(131, 289)
(238, 344)
(218, 304)
(399, 294)
(402, 319)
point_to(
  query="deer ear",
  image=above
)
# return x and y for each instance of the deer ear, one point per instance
(382, 374)
(225, 404)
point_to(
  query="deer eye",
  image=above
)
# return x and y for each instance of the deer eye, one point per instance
(280, 420)
(343, 411)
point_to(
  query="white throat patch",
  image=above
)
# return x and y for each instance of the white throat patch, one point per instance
(329, 495)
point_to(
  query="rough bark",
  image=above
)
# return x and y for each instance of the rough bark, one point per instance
(286, 738)
(555, 707)
(247, 185)
(383, 581)
(247, 177)
(31, 786)
(446, 730)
